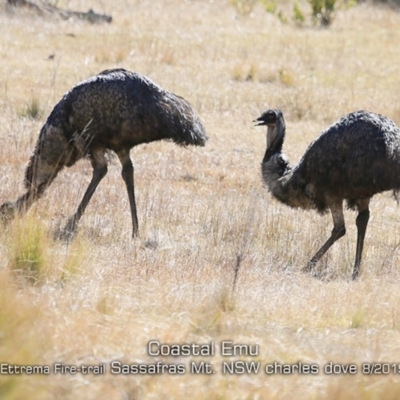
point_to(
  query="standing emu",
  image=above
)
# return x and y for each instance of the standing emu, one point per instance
(114, 110)
(352, 160)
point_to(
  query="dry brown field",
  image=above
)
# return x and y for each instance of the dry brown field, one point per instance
(217, 259)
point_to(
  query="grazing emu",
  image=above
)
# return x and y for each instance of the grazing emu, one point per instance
(352, 160)
(114, 110)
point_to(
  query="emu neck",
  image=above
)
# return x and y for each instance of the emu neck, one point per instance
(276, 169)
(274, 141)
(284, 182)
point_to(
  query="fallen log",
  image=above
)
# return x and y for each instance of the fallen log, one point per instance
(44, 8)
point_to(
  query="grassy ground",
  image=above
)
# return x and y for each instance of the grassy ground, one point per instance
(217, 258)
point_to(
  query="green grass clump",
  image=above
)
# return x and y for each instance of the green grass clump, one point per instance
(32, 109)
(28, 249)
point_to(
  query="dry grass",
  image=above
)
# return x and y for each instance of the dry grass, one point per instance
(205, 219)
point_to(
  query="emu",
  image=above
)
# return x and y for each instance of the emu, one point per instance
(352, 160)
(114, 110)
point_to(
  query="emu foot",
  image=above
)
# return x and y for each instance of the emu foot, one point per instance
(309, 268)
(135, 234)
(66, 236)
(355, 275)
(68, 233)
(314, 272)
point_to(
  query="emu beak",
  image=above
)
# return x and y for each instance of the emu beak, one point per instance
(260, 122)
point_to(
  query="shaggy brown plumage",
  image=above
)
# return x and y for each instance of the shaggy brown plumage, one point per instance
(352, 160)
(114, 110)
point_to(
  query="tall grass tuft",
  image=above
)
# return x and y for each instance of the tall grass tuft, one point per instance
(28, 248)
(32, 109)
(244, 7)
(73, 258)
(20, 344)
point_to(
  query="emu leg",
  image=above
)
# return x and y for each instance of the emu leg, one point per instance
(338, 231)
(99, 165)
(127, 176)
(361, 222)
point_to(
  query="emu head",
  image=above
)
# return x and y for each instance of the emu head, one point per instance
(7, 212)
(52, 153)
(275, 123)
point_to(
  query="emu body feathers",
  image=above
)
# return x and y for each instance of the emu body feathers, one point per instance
(114, 110)
(352, 160)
